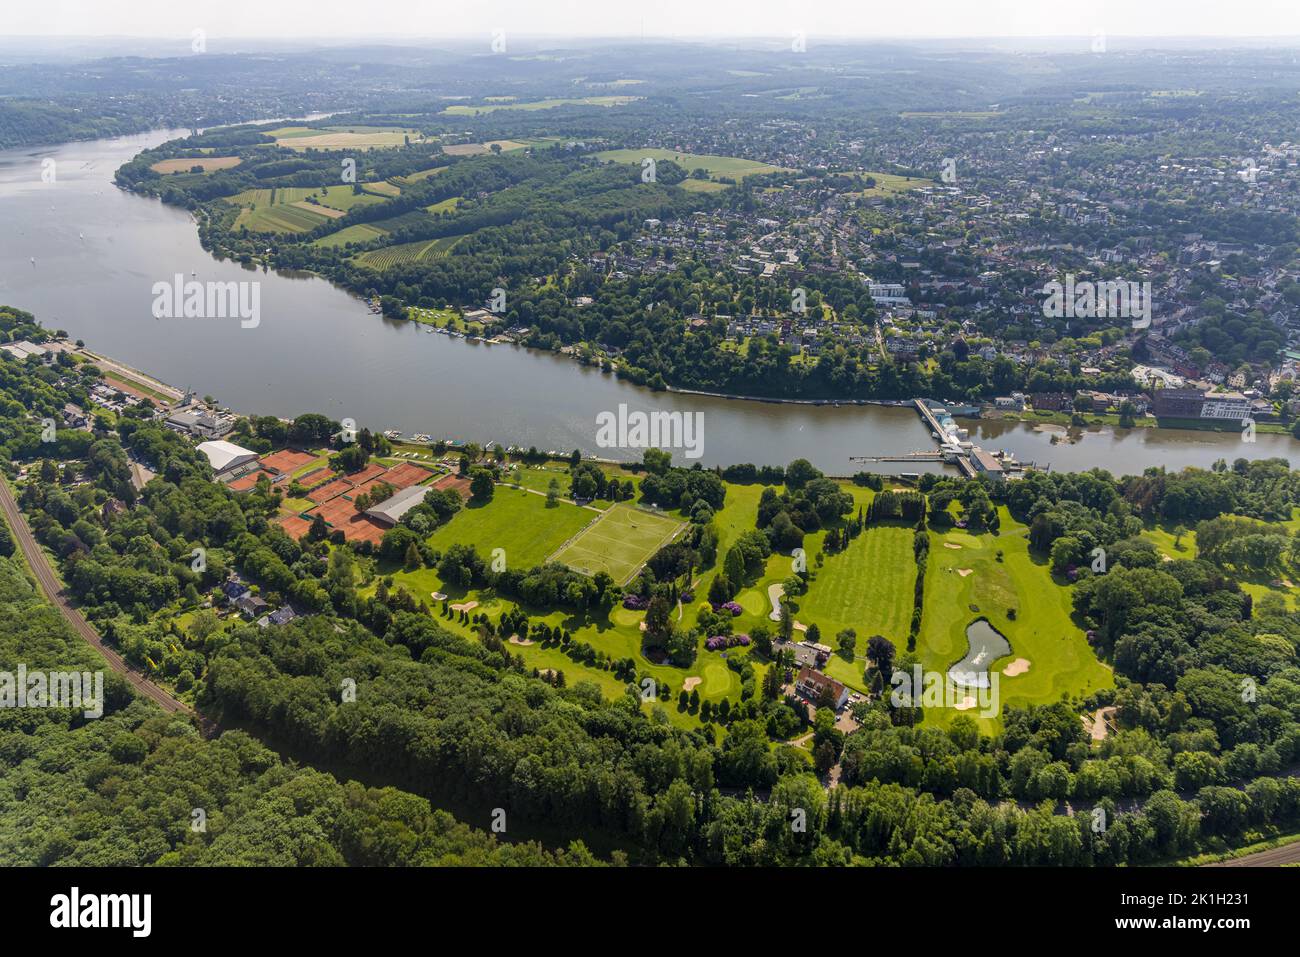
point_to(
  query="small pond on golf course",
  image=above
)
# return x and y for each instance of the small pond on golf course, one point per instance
(984, 645)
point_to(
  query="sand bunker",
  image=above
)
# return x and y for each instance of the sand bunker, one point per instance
(963, 572)
(437, 596)
(1017, 667)
(641, 625)
(950, 545)
(516, 640)
(690, 684)
(774, 593)
(800, 626)
(465, 606)
(965, 704)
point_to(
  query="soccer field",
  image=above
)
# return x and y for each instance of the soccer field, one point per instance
(618, 542)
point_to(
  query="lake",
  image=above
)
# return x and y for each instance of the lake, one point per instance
(98, 252)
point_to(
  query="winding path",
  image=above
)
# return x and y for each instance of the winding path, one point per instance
(49, 583)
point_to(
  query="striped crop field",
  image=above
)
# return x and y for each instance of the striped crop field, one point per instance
(424, 249)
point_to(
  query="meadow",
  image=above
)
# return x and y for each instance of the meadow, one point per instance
(729, 166)
(207, 164)
(462, 109)
(343, 137)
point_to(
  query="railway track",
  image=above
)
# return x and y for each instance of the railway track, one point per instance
(49, 583)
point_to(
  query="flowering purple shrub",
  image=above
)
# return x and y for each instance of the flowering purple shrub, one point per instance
(635, 603)
(718, 642)
(728, 606)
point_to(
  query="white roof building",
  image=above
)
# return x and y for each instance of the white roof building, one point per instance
(224, 456)
(391, 510)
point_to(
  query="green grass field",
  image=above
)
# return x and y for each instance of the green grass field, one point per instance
(516, 521)
(888, 184)
(619, 541)
(286, 209)
(729, 166)
(462, 109)
(343, 137)
(1043, 631)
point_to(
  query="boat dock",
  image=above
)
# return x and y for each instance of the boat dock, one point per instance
(954, 447)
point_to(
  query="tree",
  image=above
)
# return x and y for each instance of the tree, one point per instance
(481, 485)
(553, 494)
(848, 643)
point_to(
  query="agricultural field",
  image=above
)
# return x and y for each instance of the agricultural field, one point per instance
(356, 233)
(995, 577)
(462, 109)
(478, 149)
(619, 542)
(207, 164)
(420, 250)
(730, 166)
(285, 210)
(421, 175)
(343, 137)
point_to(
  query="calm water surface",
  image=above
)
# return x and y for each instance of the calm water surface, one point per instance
(98, 251)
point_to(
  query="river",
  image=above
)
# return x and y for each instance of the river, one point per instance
(98, 251)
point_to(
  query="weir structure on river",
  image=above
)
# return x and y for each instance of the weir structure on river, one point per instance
(954, 447)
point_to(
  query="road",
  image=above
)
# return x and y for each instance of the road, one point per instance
(49, 583)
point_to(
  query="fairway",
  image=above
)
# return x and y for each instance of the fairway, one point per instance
(618, 542)
(1042, 631)
(867, 587)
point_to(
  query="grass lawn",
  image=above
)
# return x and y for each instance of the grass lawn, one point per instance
(619, 542)
(517, 521)
(1043, 631)
(888, 184)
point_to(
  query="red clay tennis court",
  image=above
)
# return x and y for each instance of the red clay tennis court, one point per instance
(336, 511)
(286, 460)
(330, 490)
(295, 526)
(373, 470)
(315, 477)
(405, 475)
(456, 482)
(245, 483)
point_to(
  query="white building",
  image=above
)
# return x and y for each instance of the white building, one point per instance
(225, 457)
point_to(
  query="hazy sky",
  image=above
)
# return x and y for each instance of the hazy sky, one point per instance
(410, 19)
